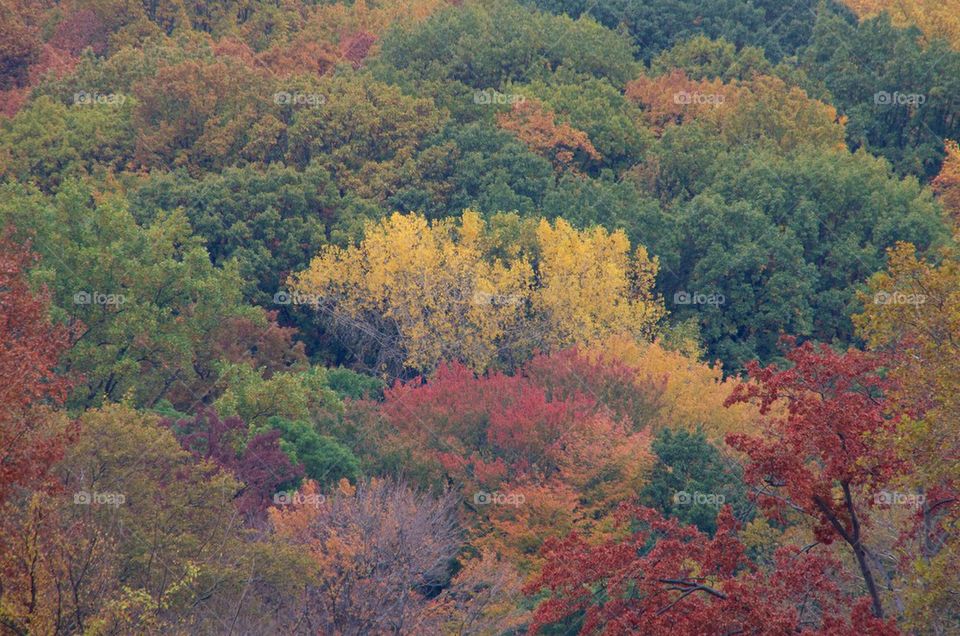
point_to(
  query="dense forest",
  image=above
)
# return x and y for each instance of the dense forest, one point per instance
(480, 317)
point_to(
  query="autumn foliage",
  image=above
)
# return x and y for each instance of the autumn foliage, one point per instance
(663, 578)
(31, 437)
(821, 458)
(479, 317)
(438, 291)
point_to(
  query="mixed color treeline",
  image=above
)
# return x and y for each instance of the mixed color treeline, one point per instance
(479, 317)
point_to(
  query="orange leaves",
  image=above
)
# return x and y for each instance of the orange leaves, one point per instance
(536, 126)
(300, 57)
(947, 182)
(675, 99)
(30, 438)
(376, 548)
(762, 108)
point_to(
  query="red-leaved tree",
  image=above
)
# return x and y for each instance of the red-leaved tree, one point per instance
(30, 348)
(817, 454)
(669, 579)
(258, 461)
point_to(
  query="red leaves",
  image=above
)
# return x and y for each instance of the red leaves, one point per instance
(827, 410)
(504, 424)
(30, 347)
(671, 579)
(259, 463)
(498, 426)
(818, 452)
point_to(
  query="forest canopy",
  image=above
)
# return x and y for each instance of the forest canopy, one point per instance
(479, 317)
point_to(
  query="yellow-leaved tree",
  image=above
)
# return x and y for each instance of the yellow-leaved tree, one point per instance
(936, 18)
(694, 391)
(414, 292)
(947, 184)
(913, 313)
(762, 108)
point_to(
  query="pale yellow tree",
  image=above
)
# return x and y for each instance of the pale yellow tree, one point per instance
(414, 293)
(763, 108)
(591, 286)
(694, 391)
(936, 18)
(912, 312)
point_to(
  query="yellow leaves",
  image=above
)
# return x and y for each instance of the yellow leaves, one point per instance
(481, 293)
(947, 183)
(585, 290)
(694, 391)
(769, 108)
(482, 598)
(932, 599)
(517, 532)
(763, 107)
(913, 311)
(936, 18)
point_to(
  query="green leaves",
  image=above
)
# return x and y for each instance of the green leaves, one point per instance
(786, 241)
(692, 480)
(147, 296)
(324, 460)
